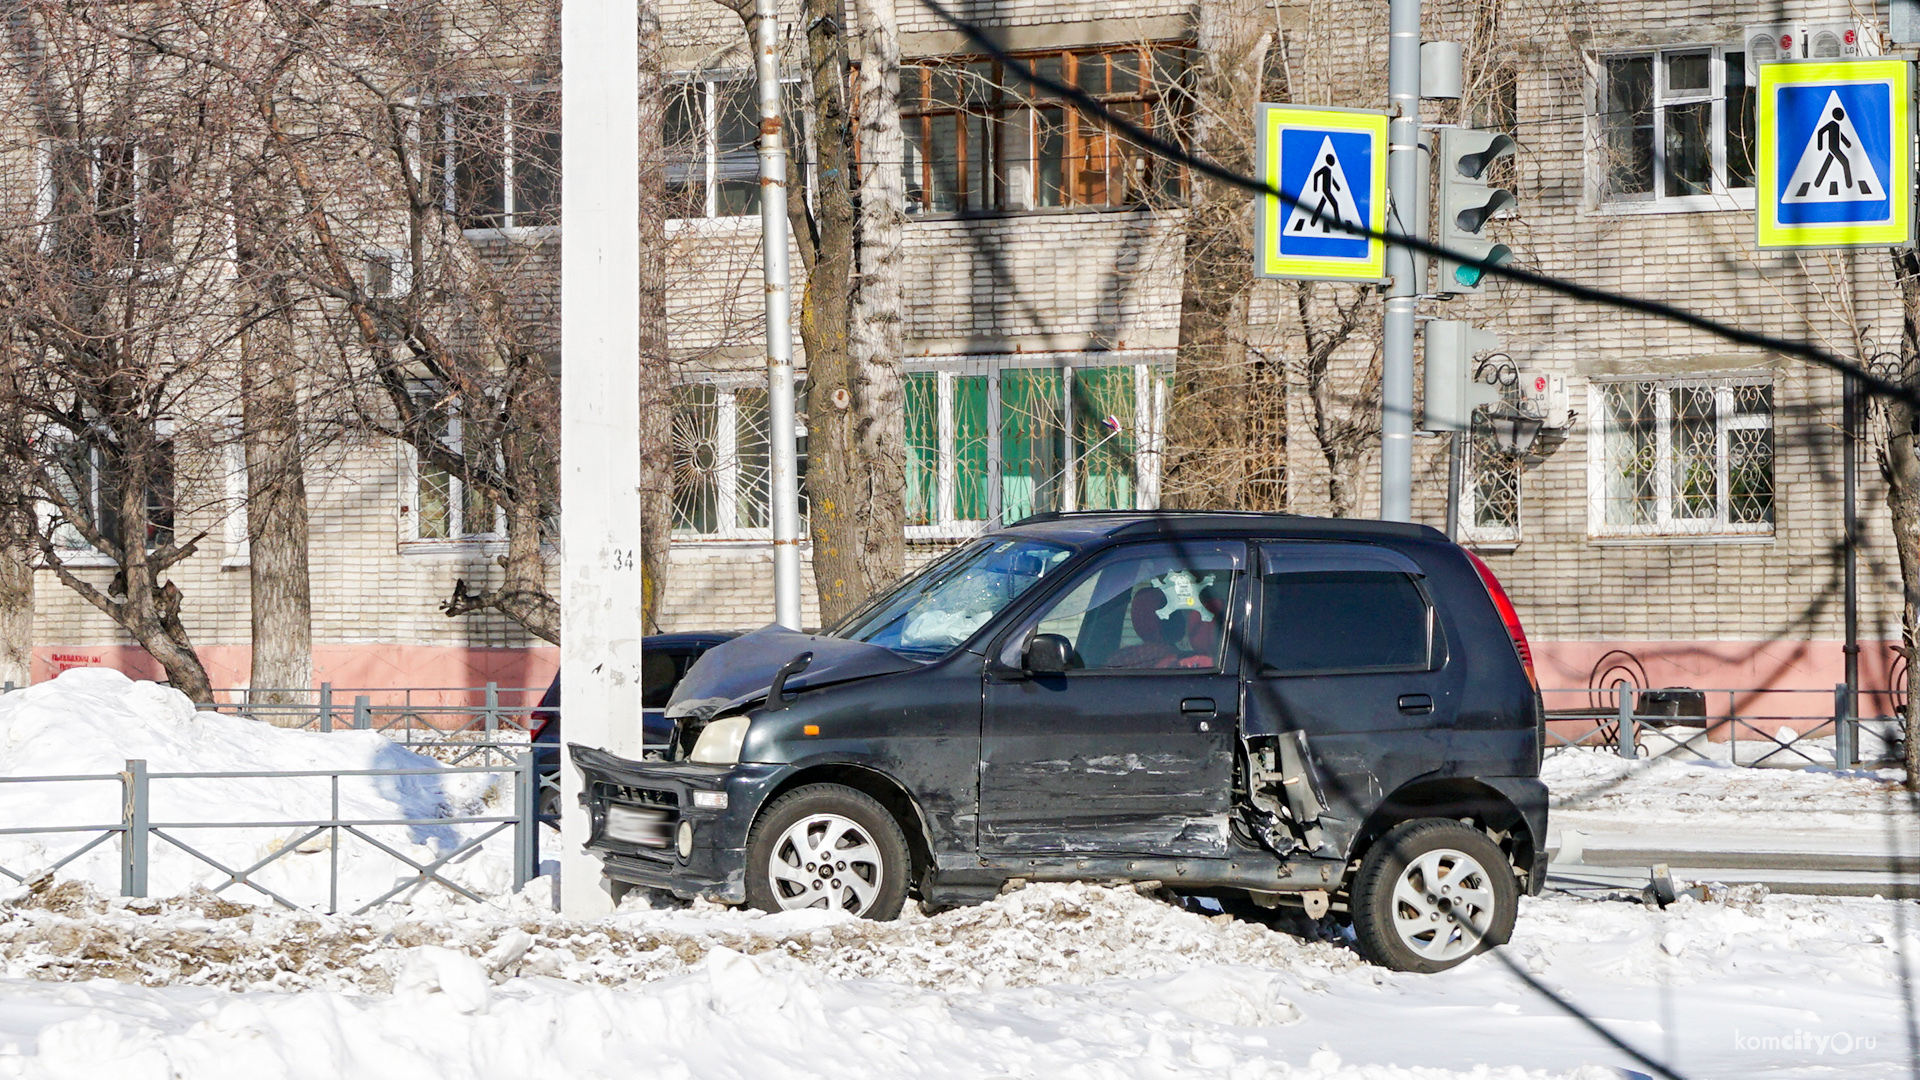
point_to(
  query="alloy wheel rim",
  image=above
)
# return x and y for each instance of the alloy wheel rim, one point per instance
(1443, 905)
(826, 861)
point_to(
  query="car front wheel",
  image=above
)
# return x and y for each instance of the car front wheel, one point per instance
(1430, 894)
(827, 846)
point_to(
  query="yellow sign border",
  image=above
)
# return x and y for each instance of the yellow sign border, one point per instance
(1268, 262)
(1769, 233)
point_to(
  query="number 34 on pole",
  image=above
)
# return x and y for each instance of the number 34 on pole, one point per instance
(1834, 154)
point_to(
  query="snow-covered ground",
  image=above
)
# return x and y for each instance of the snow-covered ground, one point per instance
(1054, 981)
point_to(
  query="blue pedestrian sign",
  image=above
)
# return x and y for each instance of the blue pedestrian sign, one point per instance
(1835, 158)
(1332, 163)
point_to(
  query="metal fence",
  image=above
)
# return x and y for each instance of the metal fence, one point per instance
(138, 834)
(1785, 728)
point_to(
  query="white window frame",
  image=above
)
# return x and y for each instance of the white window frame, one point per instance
(457, 534)
(710, 140)
(45, 197)
(726, 473)
(442, 113)
(234, 522)
(1149, 427)
(1720, 197)
(1470, 532)
(1665, 525)
(84, 554)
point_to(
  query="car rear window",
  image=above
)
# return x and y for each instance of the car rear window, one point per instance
(1344, 621)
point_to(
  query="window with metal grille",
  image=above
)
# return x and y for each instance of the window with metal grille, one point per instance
(1682, 458)
(1490, 483)
(1675, 124)
(989, 439)
(723, 463)
(981, 139)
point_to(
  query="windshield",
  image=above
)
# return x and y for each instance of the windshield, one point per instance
(942, 607)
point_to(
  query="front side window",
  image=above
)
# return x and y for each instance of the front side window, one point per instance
(722, 461)
(1335, 621)
(1674, 124)
(1683, 458)
(496, 162)
(992, 442)
(935, 612)
(981, 139)
(1158, 610)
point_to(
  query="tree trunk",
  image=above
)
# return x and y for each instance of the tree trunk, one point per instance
(1900, 464)
(16, 593)
(838, 480)
(1206, 459)
(878, 319)
(655, 435)
(281, 593)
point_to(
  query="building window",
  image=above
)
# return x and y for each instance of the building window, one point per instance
(987, 441)
(445, 505)
(722, 462)
(980, 139)
(712, 137)
(1675, 124)
(497, 163)
(1683, 458)
(90, 482)
(109, 203)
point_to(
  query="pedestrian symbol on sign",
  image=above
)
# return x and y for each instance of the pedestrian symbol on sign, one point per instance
(1328, 201)
(1834, 167)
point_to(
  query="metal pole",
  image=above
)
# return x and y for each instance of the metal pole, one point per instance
(1403, 184)
(362, 712)
(326, 706)
(493, 709)
(1845, 731)
(1625, 733)
(526, 808)
(1850, 534)
(1454, 467)
(783, 484)
(133, 828)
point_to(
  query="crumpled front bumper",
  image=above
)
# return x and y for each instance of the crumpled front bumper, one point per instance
(715, 865)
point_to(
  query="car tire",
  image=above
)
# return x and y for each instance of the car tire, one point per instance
(1431, 893)
(867, 866)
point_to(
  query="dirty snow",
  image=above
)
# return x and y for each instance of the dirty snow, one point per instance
(91, 721)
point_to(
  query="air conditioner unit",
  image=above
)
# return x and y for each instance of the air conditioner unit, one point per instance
(1773, 41)
(1830, 40)
(1546, 396)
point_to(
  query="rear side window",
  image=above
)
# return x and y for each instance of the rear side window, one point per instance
(1344, 621)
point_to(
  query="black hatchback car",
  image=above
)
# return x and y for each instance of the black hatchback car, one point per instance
(1335, 714)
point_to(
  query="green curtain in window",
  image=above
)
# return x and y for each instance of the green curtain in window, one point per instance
(1032, 442)
(1103, 432)
(923, 447)
(970, 448)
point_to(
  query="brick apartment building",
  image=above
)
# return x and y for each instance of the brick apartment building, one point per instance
(1676, 522)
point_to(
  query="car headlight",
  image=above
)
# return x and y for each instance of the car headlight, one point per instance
(719, 742)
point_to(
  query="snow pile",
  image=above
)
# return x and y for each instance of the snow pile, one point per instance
(93, 720)
(1596, 779)
(1062, 981)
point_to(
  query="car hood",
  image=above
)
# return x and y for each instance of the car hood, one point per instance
(742, 670)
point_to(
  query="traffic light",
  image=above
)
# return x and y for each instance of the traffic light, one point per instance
(1452, 391)
(1468, 202)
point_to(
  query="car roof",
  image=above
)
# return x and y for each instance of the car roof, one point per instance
(1089, 526)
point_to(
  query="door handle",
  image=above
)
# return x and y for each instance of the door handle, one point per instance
(1416, 703)
(1197, 705)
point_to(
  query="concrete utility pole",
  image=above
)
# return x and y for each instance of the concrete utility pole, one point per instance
(784, 488)
(600, 592)
(1403, 295)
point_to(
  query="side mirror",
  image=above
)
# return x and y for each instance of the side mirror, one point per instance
(1048, 654)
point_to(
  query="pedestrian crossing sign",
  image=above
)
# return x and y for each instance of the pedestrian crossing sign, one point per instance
(1834, 161)
(1332, 164)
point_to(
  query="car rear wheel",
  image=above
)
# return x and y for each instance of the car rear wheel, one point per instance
(827, 846)
(1430, 894)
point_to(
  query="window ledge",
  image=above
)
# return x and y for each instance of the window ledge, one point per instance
(1736, 201)
(723, 543)
(1492, 547)
(518, 234)
(454, 547)
(1672, 540)
(1038, 211)
(87, 560)
(236, 562)
(724, 226)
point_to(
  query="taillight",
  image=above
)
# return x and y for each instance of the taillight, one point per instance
(1507, 615)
